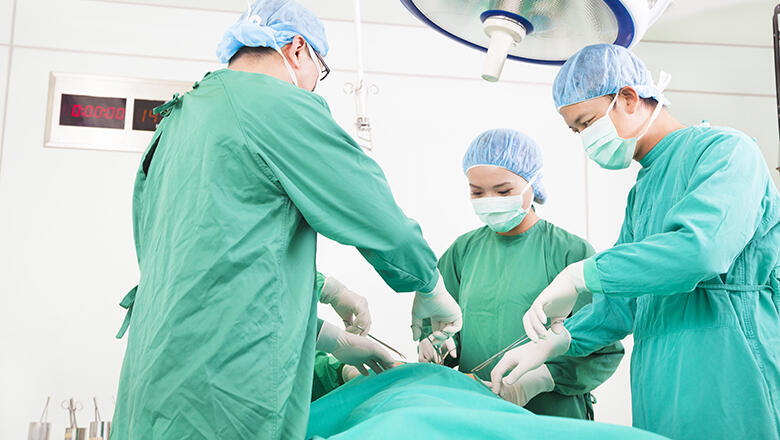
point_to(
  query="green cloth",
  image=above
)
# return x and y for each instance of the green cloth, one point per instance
(327, 369)
(495, 279)
(319, 281)
(240, 176)
(694, 275)
(427, 401)
(327, 375)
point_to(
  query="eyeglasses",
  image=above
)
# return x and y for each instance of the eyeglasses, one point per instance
(324, 69)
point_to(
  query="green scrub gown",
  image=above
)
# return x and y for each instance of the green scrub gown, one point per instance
(495, 279)
(327, 375)
(239, 178)
(694, 275)
(327, 369)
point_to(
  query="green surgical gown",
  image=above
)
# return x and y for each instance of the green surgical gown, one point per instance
(239, 178)
(327, 375)
(694, 276)
(495, 279)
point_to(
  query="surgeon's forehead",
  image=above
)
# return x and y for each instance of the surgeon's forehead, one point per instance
(572, 113)
(491, 175)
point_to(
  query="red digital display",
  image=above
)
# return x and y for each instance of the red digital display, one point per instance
(144, 117)
(92, 111)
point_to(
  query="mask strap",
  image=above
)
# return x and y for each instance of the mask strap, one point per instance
(289, 67)
(612, 104)
(663, 81)
(531, 183)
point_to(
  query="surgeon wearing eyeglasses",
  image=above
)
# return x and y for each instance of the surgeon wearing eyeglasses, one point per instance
(242, 174)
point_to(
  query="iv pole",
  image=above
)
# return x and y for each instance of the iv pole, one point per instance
(361, 90)
(776, 38)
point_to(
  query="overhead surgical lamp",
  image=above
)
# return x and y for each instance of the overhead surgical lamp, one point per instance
(537, 31)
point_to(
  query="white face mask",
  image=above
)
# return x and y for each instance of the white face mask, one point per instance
(502, 214)
(602, 142)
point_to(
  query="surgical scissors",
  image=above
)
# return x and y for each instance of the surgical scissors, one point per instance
(515, 344)
(72, 406)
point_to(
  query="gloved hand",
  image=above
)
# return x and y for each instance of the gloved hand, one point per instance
(348, 372)
(427, 352)
(555, 302)
(358, 351)
(529, 356)
(444, 312)
(530, 385)
(352, 307)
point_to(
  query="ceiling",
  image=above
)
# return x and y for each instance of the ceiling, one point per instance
(740, 22)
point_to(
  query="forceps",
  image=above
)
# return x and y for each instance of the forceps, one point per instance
(377, 340)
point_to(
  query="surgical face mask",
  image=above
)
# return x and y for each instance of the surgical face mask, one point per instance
(502, 214)
(606, 147)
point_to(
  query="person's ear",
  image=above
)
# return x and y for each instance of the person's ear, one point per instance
(295, 51)
(628, 100)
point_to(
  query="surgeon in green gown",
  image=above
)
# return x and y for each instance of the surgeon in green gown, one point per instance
(495, 272)
(242, 173)
(694, 273)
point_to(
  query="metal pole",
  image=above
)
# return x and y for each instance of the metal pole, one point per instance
(776, 40)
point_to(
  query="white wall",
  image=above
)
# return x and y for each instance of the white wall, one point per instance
(66, 251)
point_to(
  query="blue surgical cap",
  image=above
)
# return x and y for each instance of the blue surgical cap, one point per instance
(273, 23)
(602, 69)
(511, 150)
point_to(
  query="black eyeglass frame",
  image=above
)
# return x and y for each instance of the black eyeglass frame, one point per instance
(325, 69)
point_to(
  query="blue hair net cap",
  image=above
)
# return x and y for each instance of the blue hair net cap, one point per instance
(511, 150)
(602, 69)
(273, 23)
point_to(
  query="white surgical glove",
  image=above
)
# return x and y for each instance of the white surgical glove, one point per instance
(348, 372)
(530, 385)
(352, 307)
(358, 351)
(444, 312)
(427, 352)
(529, 356)
(555, 302)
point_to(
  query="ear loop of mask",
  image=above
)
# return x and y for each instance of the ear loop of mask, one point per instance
(663, 81)
(530, 185)
(289, 67)
(313, 57)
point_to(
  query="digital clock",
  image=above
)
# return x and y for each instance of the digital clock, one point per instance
(92, 111)
(143, 115)
(103, 112)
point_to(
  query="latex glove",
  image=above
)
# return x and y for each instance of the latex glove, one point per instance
(358, 351)
(555, 302)
(446, 319)
(529, 356)
(427, 352)
(348, 372)
(352, 307)
(530, 385)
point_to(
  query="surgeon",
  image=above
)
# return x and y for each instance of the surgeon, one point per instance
(495, 273)
(694, 273)
(241, 175)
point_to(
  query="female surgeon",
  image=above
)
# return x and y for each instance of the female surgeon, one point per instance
(496, 271)
(694, 274)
